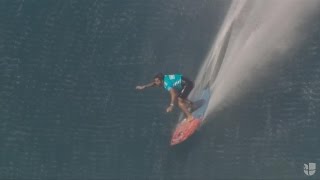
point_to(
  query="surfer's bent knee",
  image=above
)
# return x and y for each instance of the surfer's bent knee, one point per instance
(180, 101)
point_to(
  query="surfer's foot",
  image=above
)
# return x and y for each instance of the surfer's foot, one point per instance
(190, 118)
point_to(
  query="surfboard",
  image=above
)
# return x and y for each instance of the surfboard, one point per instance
(185, 129)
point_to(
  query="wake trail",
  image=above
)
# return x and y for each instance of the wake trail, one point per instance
(254, 35)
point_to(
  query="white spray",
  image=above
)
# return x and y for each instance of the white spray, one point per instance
(255, 34)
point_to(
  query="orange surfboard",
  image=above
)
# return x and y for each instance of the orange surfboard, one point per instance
(184, 130)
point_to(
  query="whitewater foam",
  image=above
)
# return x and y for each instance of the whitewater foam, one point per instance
(255, 35)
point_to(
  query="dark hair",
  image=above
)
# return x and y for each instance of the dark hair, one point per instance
(159, 76)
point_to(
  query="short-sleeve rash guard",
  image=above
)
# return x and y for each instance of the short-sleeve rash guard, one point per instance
(172, 81)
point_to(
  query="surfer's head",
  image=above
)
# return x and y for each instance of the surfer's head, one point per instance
(158, 79)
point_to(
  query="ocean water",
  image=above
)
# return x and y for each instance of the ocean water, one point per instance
(69, 108)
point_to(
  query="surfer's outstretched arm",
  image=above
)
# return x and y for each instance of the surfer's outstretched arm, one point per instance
(145, 86)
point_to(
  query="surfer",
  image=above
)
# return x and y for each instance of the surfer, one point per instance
(179, 88)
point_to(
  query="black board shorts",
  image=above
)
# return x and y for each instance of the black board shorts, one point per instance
(187, 86)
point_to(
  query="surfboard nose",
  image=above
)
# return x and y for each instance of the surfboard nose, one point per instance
(184, 130)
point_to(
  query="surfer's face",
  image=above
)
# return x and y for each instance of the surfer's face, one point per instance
(158, 82)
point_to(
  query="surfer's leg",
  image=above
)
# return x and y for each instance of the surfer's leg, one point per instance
(187, 87)
(184, 93)
(183, 106)
(188, 102)
(189, 105)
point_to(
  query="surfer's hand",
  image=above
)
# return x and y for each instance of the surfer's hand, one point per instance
(140, 87)
(170, 108)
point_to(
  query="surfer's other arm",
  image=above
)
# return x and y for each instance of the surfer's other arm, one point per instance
(145, 86)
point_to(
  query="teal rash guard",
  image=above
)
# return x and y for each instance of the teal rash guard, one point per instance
(173, 81)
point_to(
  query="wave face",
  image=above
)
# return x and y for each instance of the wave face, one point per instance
(68, 108)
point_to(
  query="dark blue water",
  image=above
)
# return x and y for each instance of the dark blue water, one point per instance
(69, 110)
